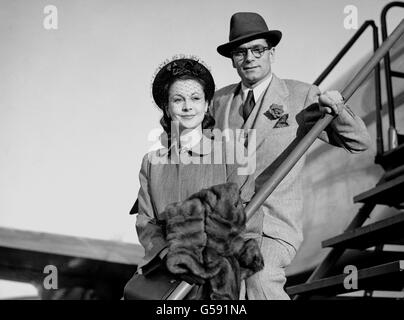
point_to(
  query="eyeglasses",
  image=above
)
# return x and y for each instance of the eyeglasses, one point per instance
(257, 52)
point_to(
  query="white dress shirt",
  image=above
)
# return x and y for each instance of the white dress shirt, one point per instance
(258, 90)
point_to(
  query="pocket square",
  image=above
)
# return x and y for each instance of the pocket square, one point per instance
(282, 122)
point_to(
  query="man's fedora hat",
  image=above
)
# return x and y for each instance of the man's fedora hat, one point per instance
(247, 26)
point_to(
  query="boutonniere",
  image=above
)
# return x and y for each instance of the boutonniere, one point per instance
(277, 111)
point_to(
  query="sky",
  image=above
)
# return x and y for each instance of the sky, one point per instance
(76, 113)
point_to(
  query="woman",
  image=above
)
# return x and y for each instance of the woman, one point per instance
(183, 90)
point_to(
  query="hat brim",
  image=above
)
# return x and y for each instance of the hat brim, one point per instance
(273, 36)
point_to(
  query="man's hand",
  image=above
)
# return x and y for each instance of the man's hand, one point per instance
(331, 102)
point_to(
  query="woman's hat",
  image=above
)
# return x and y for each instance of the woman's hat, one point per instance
(176, 69)
(247, 26)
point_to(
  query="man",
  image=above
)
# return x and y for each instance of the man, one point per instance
(281, 112)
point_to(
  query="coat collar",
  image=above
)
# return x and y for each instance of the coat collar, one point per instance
(258, 89)
(276, 92)
(278, 85)
(204, 147)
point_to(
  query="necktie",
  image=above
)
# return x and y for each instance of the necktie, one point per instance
(248, 104)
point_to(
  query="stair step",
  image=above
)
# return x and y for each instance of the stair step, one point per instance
(389, 276)
(372, 295)
(360, 258)
(363, 259)
(392, 158)
(387, 231)
(391, 174)
(390, 193)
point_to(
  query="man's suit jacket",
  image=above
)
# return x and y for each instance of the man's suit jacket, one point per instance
(283, 209)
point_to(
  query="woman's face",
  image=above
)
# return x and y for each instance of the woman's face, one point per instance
(187, 104)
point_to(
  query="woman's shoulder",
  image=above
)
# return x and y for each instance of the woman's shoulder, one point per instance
(155, 156)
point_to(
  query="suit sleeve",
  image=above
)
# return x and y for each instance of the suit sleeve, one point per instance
(347, 130)
(150, 232)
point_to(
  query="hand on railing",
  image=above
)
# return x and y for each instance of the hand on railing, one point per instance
(331, 102)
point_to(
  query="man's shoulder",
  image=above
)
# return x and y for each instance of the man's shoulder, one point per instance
(226, 90)
(154, 156)
(296, 85)
(299, 93)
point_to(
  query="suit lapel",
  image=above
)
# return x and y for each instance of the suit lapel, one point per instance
(277, 92)
(230, 107)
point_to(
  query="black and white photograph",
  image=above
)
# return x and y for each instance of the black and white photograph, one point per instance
(202, 150)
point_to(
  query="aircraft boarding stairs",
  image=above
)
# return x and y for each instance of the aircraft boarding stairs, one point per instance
(367, 261)
(377, 270)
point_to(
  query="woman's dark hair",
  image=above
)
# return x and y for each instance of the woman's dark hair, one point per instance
(208, 121)
(176, 69)
(182, 69)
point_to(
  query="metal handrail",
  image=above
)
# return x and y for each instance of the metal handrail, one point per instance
(311, 136)
(308, 140)
(322, 269)
(341, 54)
(346, 48)
(389, 74)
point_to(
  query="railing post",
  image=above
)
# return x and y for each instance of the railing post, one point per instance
(379, 125)
(343, 51)
(392, 133)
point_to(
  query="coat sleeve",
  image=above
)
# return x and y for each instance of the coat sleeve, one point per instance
(149, 230)
(347, 130)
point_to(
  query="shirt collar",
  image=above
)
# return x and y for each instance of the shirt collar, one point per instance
(201, 148)
(191, 138)
(258, 90)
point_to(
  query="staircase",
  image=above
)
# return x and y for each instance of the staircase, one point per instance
(377, 269)
(360, 263)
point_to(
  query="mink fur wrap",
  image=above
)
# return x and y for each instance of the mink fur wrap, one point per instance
(205, 240)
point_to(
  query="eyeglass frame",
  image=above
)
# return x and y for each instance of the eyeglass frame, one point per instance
(245, 52)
